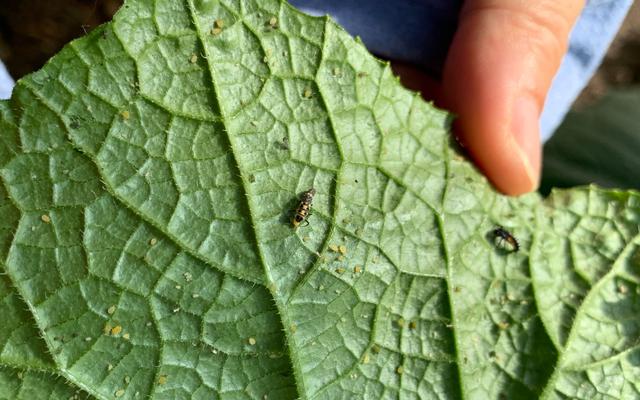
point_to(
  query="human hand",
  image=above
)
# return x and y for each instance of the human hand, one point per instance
(499, 68)
(498, 71)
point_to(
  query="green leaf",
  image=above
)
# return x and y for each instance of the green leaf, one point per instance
(149, 175)
(587, 288)
(19, 384)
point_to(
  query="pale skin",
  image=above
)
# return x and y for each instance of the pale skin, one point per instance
(500, 65)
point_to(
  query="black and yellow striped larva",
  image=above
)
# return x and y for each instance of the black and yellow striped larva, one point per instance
(304, 208)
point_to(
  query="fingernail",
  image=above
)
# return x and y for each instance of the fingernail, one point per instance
(525, 129)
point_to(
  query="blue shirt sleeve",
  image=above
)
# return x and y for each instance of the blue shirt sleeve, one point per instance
(420, 32)
(590, 38)
(6, 83)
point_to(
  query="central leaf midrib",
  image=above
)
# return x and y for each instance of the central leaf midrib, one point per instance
(447, 278)
(294, 362)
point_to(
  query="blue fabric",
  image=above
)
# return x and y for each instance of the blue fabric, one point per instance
(6, 83)
(417, 31)
(420, 32)
(590, 38)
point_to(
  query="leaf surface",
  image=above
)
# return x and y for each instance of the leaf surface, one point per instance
(150, 171)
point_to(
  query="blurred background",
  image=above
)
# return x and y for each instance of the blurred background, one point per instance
(599, 141)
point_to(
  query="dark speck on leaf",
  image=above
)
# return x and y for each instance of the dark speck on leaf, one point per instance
(284, 143)
(74, 122)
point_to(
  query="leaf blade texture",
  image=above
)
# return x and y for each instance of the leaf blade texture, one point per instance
(149, 174)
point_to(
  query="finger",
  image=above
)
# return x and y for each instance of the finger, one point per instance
(496, 77)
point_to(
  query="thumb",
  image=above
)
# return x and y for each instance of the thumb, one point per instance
(496, 77)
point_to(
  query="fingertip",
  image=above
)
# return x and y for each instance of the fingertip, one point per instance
(514, 164)
(525, 130)
(498, 71)
(512, 169)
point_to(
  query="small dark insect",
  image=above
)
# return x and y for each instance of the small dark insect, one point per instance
(283, 144)
(304, 208)
(505, 236)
